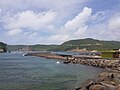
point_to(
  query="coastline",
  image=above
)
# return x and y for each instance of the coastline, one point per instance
(106, 80)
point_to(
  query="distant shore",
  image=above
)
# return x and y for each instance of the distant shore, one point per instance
(107, 80)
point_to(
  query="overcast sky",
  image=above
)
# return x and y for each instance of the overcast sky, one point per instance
(56, 21)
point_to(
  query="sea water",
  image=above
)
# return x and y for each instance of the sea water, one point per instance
(18, 72)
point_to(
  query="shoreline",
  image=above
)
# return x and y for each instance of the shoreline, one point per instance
(106, 80)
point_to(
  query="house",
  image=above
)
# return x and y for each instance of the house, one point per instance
(1, 50)
(110, 54)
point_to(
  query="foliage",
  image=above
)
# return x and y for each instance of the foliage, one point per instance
(92, 44)
(32, 47)
(3, 46)
(88, 43)
(43, 47)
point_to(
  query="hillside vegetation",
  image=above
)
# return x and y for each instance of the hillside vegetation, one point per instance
(31, 47)
(88, 43)
(91, 44)
(3, 46)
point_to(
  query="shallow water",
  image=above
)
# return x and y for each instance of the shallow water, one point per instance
(35, 73)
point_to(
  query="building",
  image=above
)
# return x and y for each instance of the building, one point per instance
(1, 50)
(110, 54)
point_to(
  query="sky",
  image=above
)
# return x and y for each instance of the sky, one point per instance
(56, 21)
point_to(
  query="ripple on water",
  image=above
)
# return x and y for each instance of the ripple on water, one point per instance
(35, 73)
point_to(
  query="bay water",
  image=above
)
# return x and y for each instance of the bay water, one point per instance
(18, 72)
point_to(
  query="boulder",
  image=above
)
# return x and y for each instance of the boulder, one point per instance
(116, 80)
(100, 79)
(108, 86)
(118, 68)
(84, 88)
(97, 87)
(87, 83)
(108, 82)
(118, 87)
(103, 74)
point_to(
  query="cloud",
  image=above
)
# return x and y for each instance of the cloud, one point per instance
(0, 14)
(114, 26)
(64, 8)
(30, 19)
(44, 17)
(114, 22)
(14, 32)
(73, 28)
(35, 22)
(56, 21)
(46, 4)
(104, 28)
(78, 24)
(0, 11)
(99, 16)
(79, 20)
(58, 39)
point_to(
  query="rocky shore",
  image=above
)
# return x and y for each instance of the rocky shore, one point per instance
(109, 79)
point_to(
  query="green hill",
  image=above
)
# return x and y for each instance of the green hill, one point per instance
(31, 47)
(43, 47)
(15, 47)
(91, 44)
(88, 43)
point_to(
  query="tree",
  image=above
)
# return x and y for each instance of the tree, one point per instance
(3, 46)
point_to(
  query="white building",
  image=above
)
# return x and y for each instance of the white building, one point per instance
(1, 50)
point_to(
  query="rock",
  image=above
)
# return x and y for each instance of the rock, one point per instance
(87, 83)
(83, 88)
(118, 68)
(116, 80)
(100, 79)
(108, 82)
(108, 86)
(97, 87)
(103, 74)
(111, 76)
(78, 88)
(118, 87)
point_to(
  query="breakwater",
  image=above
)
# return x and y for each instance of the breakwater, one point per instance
(107, 80)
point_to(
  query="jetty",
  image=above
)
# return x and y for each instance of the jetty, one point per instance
(79, 59)
(109, 79)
